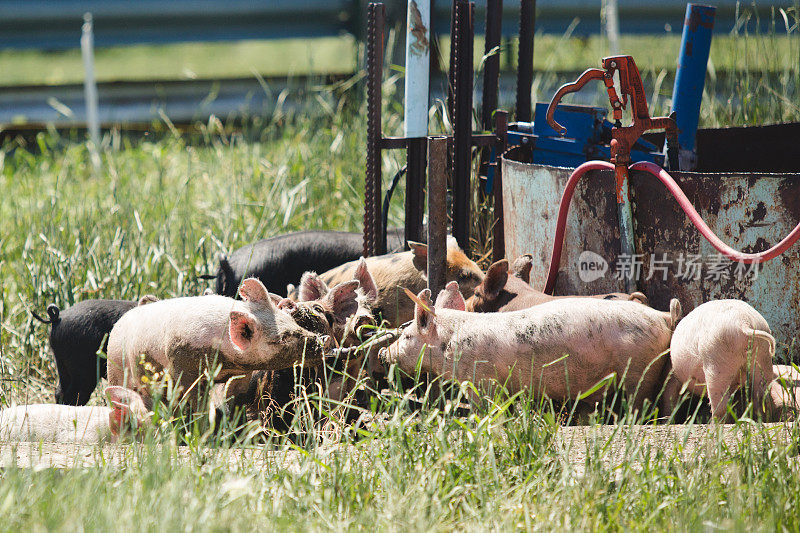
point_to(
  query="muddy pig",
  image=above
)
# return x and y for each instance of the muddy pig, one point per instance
(181, 336)
(71, 424)
(557, 349)
(393, 272)
(500, 292)
(76, 336)
(345, 372)
(281, 260)
(344, 319)
(721, 346)
(339, 311)
(267, 396)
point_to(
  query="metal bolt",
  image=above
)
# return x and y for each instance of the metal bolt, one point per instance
(613, 64)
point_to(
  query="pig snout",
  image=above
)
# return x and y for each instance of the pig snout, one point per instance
(364, 320)
(317, 346)
(326, 341)
(363, 327)
(387, 356)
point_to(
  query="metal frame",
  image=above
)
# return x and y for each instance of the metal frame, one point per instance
(374, 233)
(463, 45)
(460, 144)
(527, 19)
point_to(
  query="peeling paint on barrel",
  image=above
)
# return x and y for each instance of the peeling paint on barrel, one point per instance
(531, 195)
(750, 212)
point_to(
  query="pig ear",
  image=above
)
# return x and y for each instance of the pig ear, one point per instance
(342, 299)
(494, 280)
(117, 419)
(366, 280)
(450, 298)
(522, 267)
(420, 255)
(288, 305)
(420, 250)
(146, 299)
(252, 290)
(242, 329)
(127, 409)
(640, 297)
(311, 288)
(423, 310)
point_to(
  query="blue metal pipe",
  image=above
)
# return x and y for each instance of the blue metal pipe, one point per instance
(691, 77)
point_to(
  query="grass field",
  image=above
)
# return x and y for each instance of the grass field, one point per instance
(334, 55)
(153, 218)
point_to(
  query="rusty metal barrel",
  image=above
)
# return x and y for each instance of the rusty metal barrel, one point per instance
(749, 211)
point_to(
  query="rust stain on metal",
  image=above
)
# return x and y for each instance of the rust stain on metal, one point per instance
(749, 211)
(418, 30)
(696, 19)
(531, 195)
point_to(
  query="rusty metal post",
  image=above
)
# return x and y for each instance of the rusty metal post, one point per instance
(491, 77)
(462, 121)
(527, 20)
(374, 232)
(437, 213)
(415, 188)
(501, 131)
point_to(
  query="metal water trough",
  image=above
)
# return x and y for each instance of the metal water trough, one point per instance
(749, 210)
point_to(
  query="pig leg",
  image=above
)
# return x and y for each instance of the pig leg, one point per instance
(648, 386)
(724, 369)
(722, 383)
(670, 395)
(720, 388)
(65, 393)
(225, 395)
(754, 349)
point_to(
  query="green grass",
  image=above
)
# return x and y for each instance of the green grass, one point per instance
(337, 55)
(427, 472)
(334, 55)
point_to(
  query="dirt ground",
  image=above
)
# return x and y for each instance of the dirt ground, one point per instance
(572, 443)
(619, 442)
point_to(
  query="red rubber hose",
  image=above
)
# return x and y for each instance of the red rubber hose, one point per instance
(682, 200)
(563, 210)
(701, 226)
